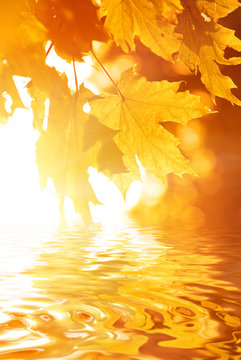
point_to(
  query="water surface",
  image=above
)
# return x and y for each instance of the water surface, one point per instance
(120, 292)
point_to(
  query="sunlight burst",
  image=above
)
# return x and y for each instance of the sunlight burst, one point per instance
(21, 197)
(22, 200)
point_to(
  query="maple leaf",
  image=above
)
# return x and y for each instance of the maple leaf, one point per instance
(217, 9)
(144, 18)
(168, 6)
(59, 149)
(72, 25)
(137, 113)
(20, 30)
(21, 47)
(204, 43)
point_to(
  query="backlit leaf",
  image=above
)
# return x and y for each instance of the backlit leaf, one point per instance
(217, 8)
(137, 115)
(128, 19)
(21, 47)
(59, 149)
(204, 43)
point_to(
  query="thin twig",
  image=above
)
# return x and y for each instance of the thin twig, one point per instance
(75, 76)
(106, 72)
(49, 49)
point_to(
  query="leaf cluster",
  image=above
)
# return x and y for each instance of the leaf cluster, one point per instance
(129, 122)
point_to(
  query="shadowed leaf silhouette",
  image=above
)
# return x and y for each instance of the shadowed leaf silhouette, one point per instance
(72, 25)
(204, 43)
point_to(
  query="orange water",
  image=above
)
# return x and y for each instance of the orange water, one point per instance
(122, 292)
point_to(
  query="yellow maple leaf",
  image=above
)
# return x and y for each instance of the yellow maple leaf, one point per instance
(21, 46)
(217, 9)
(137, 113)
(204, 43)
(147, 19)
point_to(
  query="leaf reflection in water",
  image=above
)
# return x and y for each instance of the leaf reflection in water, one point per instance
(122, 292)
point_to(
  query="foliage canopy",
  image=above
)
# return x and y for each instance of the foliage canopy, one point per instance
(129, 120)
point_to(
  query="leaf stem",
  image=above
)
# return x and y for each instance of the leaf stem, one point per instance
(49, 49)
(75, 76)
(106, 72)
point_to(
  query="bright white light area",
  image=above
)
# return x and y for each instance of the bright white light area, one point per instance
(22, 201)
(71, 216)
(134, 194)
(108, 195)
(8, 103)
(21, 83)
(86, 108)
(46, 114)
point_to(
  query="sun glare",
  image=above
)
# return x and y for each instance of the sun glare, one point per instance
(113, 204)
(22, 200)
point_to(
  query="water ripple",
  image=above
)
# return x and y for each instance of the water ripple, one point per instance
(125, 292)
